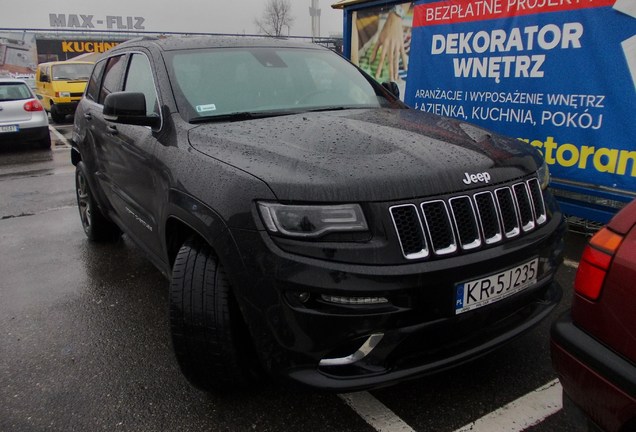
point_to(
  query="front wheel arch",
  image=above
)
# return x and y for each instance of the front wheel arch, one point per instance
(187, 216)
(177, 233)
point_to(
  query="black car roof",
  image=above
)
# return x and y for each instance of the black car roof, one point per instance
(171, 43)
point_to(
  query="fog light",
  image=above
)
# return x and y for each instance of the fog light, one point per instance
(354, 300)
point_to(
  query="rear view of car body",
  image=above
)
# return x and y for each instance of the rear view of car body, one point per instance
(22, 117)
(594, 346)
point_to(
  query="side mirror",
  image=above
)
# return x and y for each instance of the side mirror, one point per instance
(128, 108)
(392, 87)
(45, 78)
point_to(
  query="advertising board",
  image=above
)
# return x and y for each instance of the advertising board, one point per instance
(66, 49)
(557, 74)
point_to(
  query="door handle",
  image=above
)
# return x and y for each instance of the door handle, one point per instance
(88, 116)
(112, 130)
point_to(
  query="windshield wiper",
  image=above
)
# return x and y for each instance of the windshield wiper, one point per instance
(331, 108)
(223, 117)
(239, 116)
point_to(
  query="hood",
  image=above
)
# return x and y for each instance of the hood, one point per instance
(365, 155)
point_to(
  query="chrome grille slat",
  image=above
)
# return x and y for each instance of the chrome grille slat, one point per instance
(508, 211)
(441, 227)
(488, 217)
(538, 205)
(465, 221)
(524, 206)
(408, 226)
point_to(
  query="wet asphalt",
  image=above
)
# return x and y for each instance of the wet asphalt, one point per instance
(85, 345)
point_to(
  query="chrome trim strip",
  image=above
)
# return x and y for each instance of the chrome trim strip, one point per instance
(366, 348)
(417, 255)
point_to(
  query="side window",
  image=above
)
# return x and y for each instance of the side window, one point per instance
(139, 79)
(92, 89)
(112, 77)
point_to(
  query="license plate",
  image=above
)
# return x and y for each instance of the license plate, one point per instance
(10, 128)
(490, 289)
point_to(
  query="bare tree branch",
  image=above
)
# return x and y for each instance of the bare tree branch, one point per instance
(275, 17)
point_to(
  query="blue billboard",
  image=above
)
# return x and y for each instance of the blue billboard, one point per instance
(557, 74)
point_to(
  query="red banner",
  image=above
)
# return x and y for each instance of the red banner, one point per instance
(461, 11)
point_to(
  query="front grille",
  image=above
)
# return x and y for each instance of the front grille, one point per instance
(467, 222)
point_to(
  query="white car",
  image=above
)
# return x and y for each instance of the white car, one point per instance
(22, 117)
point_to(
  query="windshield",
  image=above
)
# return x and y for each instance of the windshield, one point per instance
(72, 72)
(220, 82)
(14, 91)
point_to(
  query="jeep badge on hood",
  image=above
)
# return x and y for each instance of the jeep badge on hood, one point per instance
(474, 178)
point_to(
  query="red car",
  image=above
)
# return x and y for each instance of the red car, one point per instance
(594, 345)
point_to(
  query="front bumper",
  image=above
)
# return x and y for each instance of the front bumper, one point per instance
(386, 366)
(421, 333)
(595, 379)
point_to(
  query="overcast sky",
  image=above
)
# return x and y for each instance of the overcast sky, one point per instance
(210, 16)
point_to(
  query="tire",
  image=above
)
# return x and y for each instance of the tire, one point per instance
(210, 340)
(96, 227)
(56, 115)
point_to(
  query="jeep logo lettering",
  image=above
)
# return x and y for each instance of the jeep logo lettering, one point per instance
(474, 178)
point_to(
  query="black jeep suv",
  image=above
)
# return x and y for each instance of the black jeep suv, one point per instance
(311, 224)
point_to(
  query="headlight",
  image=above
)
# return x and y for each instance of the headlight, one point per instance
(64, 94)
(543, 173)
(312, 221)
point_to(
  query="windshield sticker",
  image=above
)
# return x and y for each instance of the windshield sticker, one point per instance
(206, 108)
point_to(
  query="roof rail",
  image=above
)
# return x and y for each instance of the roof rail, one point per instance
(139, 39)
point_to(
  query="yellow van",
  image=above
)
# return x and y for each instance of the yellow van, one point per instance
(60, 85)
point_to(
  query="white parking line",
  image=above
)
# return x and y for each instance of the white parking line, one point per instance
(522, 413)
(59, 136)
(517, 416)
(374, 412)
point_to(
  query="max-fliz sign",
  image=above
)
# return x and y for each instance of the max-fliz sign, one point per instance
(109, 22)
